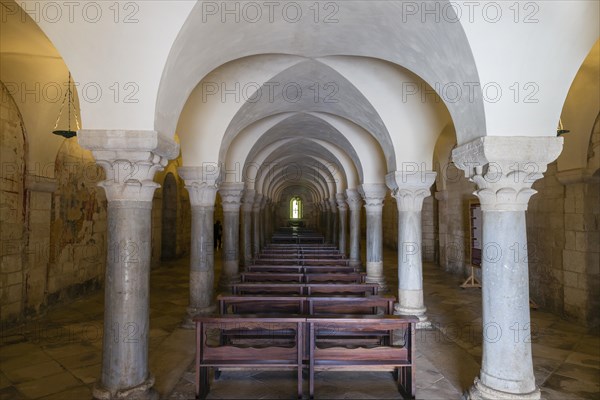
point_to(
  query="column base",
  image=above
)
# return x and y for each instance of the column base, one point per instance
(479, 391)
(424, 322)
(380, 280)
(144, 391)
(188, 322)
(354, 263)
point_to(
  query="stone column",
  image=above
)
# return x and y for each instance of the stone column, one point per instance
(130, 160)
(343, 217)
(202, 186)
(262, 218)
(231, 195)
(354, 203)
(409, 189)
(256, 225)
(327, 211)
(504, 168)
(334, 221)
(246, 226)
(373, 195)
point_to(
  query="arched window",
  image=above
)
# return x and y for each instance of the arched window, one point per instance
(296, 208)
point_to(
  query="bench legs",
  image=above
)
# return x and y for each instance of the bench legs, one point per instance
(203, 383)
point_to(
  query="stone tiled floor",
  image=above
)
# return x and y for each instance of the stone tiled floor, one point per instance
(58, 356)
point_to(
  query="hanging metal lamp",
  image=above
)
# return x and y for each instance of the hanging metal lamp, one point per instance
(70, 100)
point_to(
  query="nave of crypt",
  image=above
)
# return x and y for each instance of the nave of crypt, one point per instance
(430, 168)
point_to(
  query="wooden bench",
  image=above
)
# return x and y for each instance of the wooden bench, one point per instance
(326, 355)
(263, 352)
(272, 277)
(350, 305)
(261, 304)
(307, 289)
(293, 277)
(309, 269)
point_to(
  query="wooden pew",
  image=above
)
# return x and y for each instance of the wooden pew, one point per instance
(335, 277)
(264, 352)
(350, 305)
(309, 269)
(264, 304)
(327, 355)
(258, 304)
(307, 289)
(332, 277)
(272, 277)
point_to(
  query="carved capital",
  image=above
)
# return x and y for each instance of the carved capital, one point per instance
(504, 168)
(409, 188)
(202, 184)
(341, 201)
(353, 199)
(231, 196)
(130, 160)
(373, 195)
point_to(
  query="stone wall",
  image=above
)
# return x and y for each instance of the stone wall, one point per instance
(12, 212)
(53, 230)
(453, 221)
(546, 240)
(77, 224)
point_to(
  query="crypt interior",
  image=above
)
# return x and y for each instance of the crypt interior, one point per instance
(428, 144)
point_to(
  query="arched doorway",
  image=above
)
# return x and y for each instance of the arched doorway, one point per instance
(169, 219)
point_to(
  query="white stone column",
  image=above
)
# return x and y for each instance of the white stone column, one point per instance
(231, 195)
(246, 226)
(373, 195)
(130, 160)
(201, 183)
(327, 221)
(504, 168)
(354, 203)
(334, 221)
(258, 199)
(263, 221)
(409, 189)
(343, 218)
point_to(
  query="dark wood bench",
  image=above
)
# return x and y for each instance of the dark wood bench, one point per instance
(335, 277)
(331, 277)
(308, 269)
(310, 305)
(261, 304)
(307, 289)
(262, 352)
(325, 354)
(272, 277)
(368, 305)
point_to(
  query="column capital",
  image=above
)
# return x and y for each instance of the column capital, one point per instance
(409, 188)
(373, 195)
(353, 199)
(202, 184)
(341, 201)
(248, 199)
(231, 195)
(130, 160)
(505, 167)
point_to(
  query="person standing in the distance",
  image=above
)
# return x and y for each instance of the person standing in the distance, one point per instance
(218, 232)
